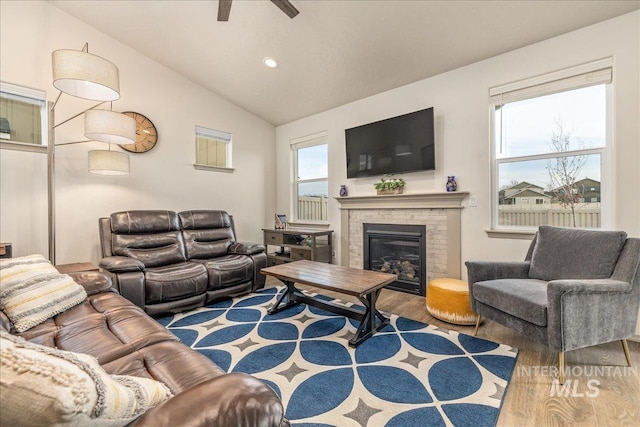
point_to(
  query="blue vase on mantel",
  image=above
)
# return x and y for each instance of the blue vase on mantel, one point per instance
(452, 185)
(343, 191)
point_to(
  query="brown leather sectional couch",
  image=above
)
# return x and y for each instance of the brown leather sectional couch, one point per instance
(168, 262)
(126, 341)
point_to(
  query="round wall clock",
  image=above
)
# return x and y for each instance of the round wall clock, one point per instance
(146, 134)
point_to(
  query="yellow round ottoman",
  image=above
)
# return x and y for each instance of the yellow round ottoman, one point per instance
(448, 300)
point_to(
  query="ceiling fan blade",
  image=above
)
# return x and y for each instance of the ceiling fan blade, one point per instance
(286, 7)
(224, 9)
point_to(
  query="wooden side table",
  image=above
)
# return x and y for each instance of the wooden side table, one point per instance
(5, 250)
(298, 244)
(76, 267)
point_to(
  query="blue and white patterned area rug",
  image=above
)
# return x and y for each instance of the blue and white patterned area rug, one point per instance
(408, 374)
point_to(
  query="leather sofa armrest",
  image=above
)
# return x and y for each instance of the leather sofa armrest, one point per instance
(259, 279)
(94, 282)
(234, 399)
(131, 286)
(246, 248)
(121, 264)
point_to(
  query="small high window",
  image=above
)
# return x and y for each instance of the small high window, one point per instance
(23, 117)
(213, 149)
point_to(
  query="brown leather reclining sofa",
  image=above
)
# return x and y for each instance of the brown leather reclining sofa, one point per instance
(126, 341)
(168, 262)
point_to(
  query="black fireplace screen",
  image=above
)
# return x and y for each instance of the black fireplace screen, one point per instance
(400, 250)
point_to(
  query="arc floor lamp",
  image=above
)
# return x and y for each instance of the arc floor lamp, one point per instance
(83, 75)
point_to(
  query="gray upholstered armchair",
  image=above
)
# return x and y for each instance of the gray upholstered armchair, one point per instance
(576, 288)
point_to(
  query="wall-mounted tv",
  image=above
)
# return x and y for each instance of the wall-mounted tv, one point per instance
(400, 144)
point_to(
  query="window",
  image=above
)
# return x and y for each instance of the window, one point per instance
(311, 190)
(213, 149)
(550, 136)
(23, 118)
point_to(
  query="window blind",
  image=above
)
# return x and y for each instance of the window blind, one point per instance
(19, 93)
(213, 134)
(591, 74)
(309, 141)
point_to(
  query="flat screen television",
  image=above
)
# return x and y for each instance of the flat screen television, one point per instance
(396, 145)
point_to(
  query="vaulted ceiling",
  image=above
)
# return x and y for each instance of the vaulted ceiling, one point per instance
(333, 52)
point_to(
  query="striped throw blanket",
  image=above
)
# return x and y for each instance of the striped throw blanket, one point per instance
(32, 291)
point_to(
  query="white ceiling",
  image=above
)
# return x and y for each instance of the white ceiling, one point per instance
(333, 52)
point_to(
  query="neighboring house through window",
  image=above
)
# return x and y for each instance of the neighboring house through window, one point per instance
(213, 149)
(311, 183)
(550, 142)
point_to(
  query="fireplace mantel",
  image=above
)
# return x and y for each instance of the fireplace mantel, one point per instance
(439, 209)
(441, 200)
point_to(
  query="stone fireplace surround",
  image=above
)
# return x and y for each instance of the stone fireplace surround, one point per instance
(440, 212)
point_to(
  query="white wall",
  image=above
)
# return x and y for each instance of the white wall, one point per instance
(163, 178)
(24, 215)
(460, 100)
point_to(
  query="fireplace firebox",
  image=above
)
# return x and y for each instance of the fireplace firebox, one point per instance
(400, 250)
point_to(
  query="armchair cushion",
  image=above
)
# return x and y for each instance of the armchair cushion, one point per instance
(567, 253)
(480, 271)
(522, 298)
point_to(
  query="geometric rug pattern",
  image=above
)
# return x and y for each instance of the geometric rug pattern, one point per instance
(407, 374)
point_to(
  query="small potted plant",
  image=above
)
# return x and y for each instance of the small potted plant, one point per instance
(389, 186)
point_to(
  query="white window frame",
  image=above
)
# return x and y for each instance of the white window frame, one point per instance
(37, 97)
(312, 140)
(584, 75)
(217, 135)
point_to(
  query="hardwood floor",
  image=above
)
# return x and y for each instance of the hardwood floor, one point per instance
(607, 392)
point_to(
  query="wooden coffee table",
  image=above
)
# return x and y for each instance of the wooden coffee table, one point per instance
(366, 285)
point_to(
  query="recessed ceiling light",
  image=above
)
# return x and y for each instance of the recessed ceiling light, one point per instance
(270, 62)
